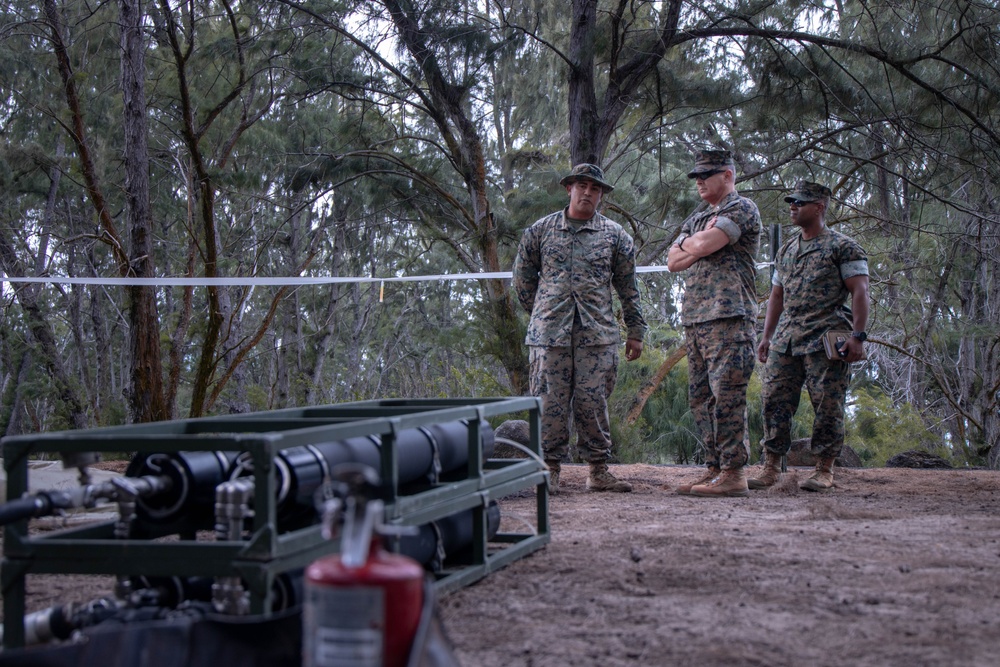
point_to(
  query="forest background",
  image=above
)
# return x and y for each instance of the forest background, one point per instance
(345, 145)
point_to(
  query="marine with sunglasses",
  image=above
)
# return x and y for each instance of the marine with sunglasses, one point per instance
(717, 248)
(816, 274)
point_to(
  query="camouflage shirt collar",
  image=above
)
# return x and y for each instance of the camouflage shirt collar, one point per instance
(565, 224)
(823, 231)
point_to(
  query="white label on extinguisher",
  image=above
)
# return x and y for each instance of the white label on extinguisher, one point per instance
(343, 627)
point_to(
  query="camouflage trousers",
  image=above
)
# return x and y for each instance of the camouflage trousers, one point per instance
(720, 361)
(825, 380)
(574, 381)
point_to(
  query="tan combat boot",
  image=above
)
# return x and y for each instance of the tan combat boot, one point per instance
(602, 480)
(822, 479)
(710, 473)
(728, 483)
(771, 474)
(554, 469)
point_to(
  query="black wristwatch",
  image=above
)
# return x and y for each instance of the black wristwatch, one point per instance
(860, 335)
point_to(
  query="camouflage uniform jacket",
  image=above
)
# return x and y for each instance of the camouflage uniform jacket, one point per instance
(812, 273)
(565, 271)
(722, 285)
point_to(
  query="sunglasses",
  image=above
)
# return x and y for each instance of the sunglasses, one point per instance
(798, 203)
(705, 175)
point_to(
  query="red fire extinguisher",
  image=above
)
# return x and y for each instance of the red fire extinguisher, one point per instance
(362, 606)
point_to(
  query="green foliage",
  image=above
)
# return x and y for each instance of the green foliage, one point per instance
(878, 428)
(317, 152)
(631, 441)
(113, 414)
(258, 398)
(665, 432)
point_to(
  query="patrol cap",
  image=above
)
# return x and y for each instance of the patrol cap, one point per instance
(587, 172)
(807, 191)
(712, 160)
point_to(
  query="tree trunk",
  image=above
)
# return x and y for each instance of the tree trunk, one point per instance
(591, 127)
(327, 327)
(12, 403)
(68, 403)
(582, 103)
(144, 386)
(104, 372)
(466, 151)
(178, 340)
(109, 233)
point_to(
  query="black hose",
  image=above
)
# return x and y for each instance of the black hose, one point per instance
(25, 508)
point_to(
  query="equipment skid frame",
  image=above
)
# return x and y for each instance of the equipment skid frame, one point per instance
(94, 549)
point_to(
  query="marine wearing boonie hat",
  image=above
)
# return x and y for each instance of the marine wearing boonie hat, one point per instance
(711, 161)
(807, 191)
(587, 172)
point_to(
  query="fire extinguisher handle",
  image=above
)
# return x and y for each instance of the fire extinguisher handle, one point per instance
(352, 511)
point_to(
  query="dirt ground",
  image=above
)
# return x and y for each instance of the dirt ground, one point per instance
(894, 567)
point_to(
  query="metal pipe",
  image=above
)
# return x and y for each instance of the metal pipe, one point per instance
(425, 454)
(193, 477)
(232, 509)
(53, 501)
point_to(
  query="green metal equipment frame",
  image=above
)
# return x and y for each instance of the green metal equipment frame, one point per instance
(93, 548)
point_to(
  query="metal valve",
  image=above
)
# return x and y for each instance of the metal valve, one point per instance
(352, 511)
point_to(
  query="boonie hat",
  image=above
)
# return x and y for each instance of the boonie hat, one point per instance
(807, 191)
(587, 172)
(712, 160)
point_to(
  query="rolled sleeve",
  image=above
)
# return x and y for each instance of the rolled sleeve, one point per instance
(730, 228)
(854, 268)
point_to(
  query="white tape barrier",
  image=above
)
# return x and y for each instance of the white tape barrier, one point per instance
(277, 281)
(250, 281)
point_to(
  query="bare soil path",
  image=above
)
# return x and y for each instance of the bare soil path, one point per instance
(894, 567)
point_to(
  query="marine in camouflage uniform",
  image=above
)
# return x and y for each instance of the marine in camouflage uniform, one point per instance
(816, 272)
(717, 247)
(567, 265)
